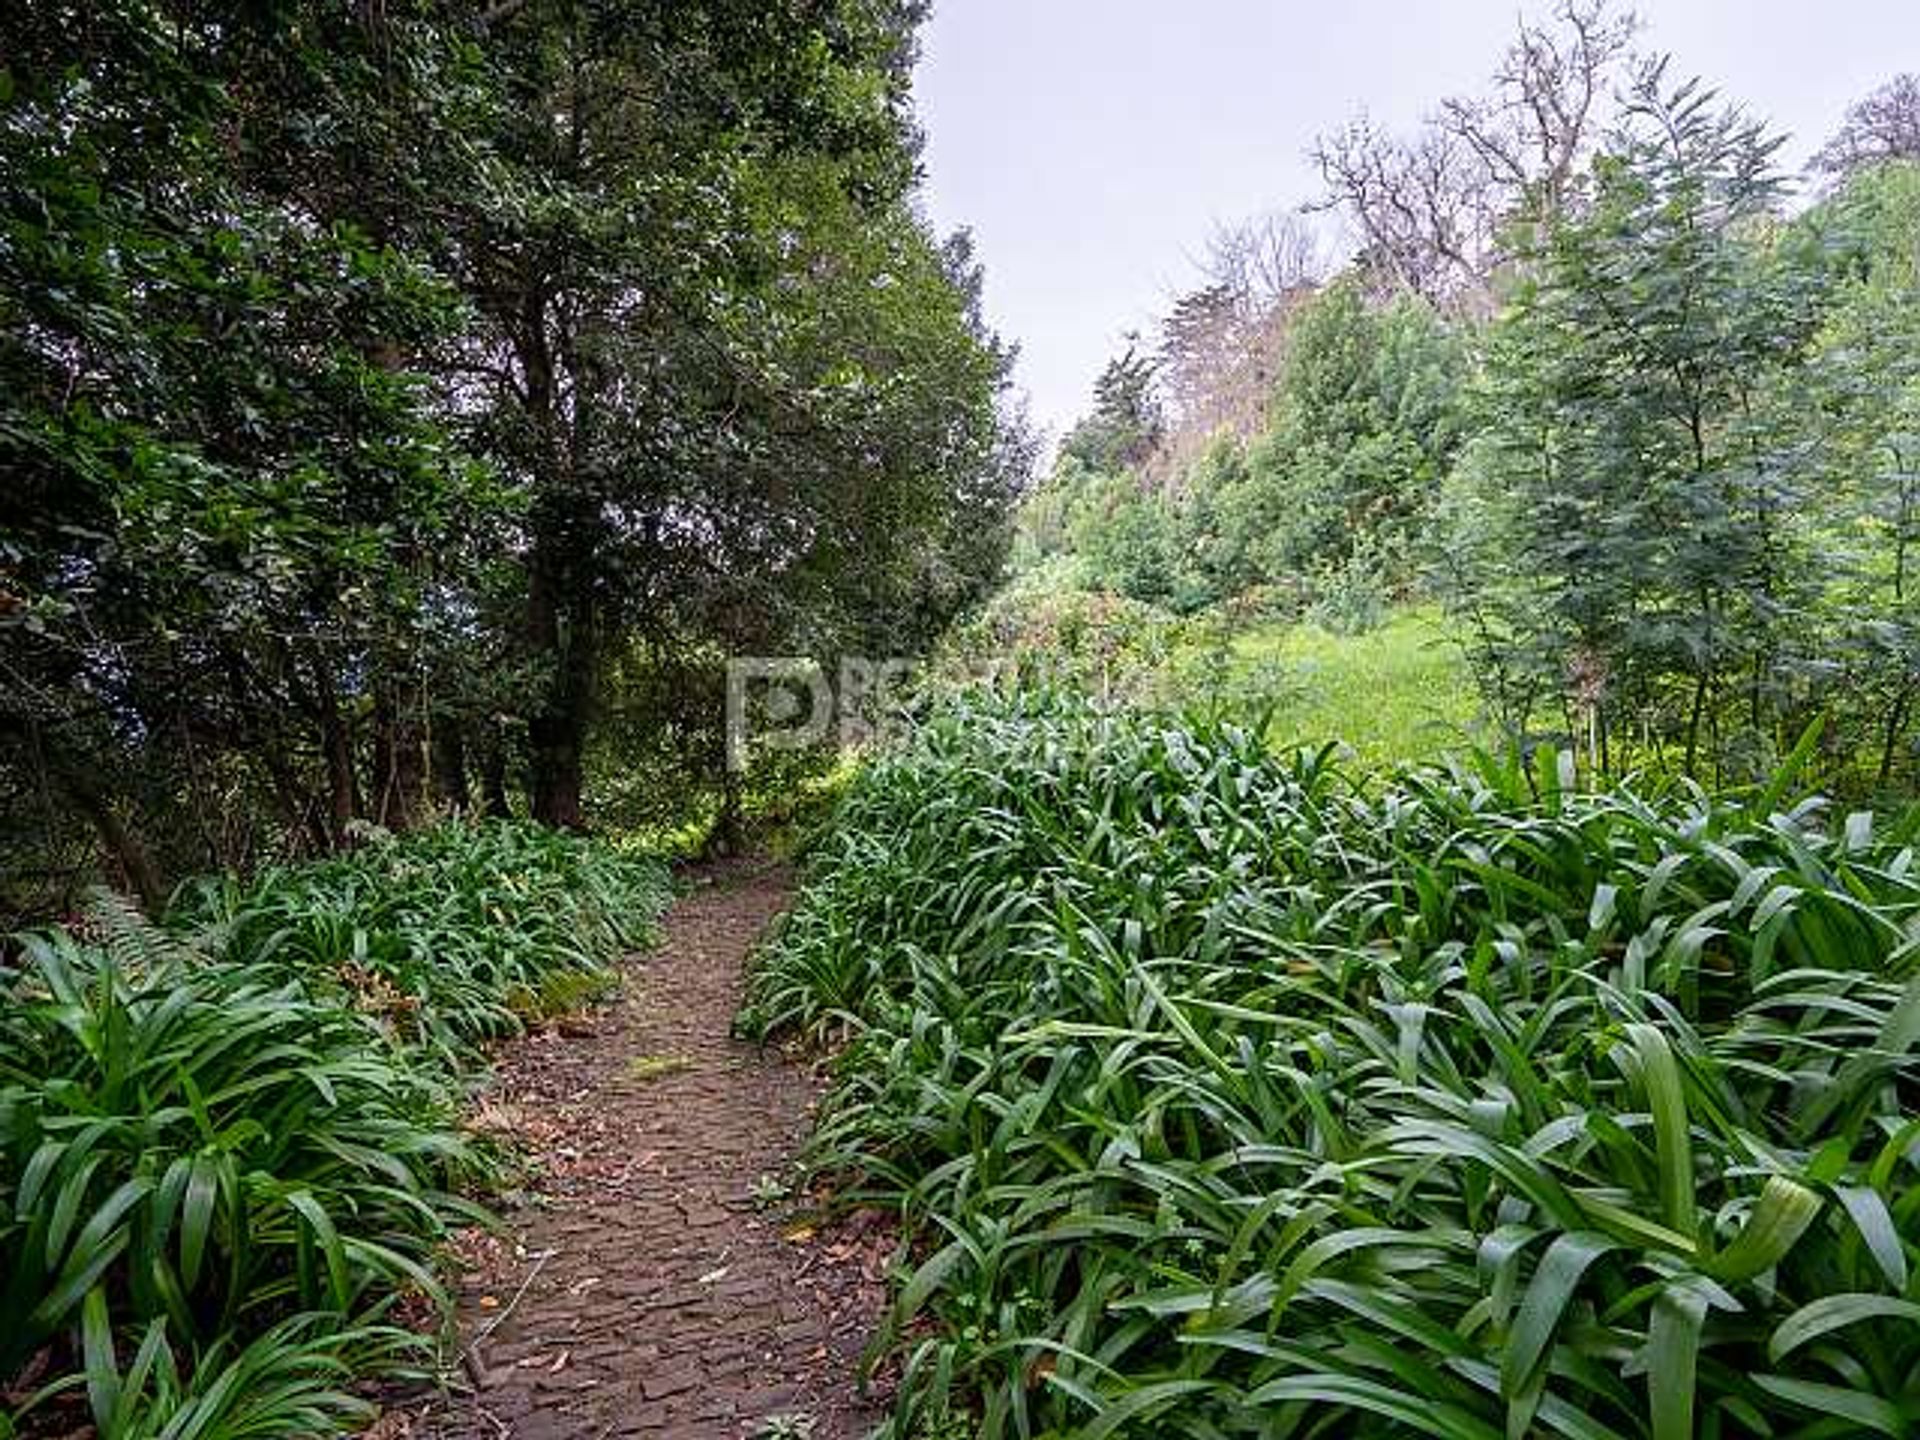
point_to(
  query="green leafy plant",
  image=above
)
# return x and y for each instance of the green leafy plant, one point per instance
(1226, 1094)
(768, 1191)
(292, 1382)
(208, 1142)
(229, 1144)
(450, 936)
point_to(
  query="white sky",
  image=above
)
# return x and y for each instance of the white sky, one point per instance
(1092, 145)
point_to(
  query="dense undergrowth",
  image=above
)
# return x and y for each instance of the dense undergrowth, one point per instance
(229, 1144)
(1394, 691)
(1227, 1093)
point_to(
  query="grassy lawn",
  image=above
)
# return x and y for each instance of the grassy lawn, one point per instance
(1397, 693)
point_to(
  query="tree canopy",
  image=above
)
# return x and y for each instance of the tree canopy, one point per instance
(370, 379)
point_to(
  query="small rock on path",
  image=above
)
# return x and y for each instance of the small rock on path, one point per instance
(641, 1291)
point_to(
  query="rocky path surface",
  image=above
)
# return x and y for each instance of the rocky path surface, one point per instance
(653, 1281)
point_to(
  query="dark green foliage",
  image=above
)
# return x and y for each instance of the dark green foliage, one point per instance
(453, 935)
(1126, 422)
(227, 1145)
(1627, 429)
(1646, 542)
(1864, 376)
(372, 381)
(222, 479)
(1365, 421)
(1224, 1095)
(209, 1136)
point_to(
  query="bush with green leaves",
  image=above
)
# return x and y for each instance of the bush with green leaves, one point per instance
(203, 1146)
(1098, 642)
(453, 935)
(1223, 1093)
(230, 1143)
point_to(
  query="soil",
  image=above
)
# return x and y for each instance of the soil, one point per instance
(654, 1279)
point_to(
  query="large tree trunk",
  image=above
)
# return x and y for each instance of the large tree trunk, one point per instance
(553, 792)
(563, 608)
(450, 768)
(557, 730)
(336, 748)
(558, 736)
(320, 704)
(122, 848)
(493, 776)
(729, 834)
(299, 812)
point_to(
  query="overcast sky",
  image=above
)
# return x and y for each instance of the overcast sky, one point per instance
(1092, 145)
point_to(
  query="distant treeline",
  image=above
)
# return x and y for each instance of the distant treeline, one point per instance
(1646, 421)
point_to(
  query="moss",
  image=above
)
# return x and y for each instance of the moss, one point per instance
(657, 1067)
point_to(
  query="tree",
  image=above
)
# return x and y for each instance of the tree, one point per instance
(368, 383)
(1649, 492)
(1884, 126)
(1863, 383)
(1424, 210)
(222, 475)
(1548, 99)
(1440, 212)
(669, 195)
(1267, 260)
(1127, 421)
(1366, 418)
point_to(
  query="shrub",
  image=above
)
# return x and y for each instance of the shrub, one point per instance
(199, 1142)
(1097, 642)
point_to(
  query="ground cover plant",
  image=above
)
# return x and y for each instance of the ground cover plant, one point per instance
(229, 1144)
(1225, 1092)
(453, 935)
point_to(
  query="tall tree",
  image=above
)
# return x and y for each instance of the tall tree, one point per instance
(222, 472)
(1440, 212)
(640, 238)
(1127, 419)
(368, 378)
(1883, 126)
(1630, 441)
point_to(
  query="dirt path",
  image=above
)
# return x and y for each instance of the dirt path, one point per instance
(649, 1286)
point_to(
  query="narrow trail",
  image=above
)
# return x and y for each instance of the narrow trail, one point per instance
(644, 1288)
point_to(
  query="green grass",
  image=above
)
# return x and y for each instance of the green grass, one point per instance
(1227, 1091)
(1397, 693)
(230, 1144)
